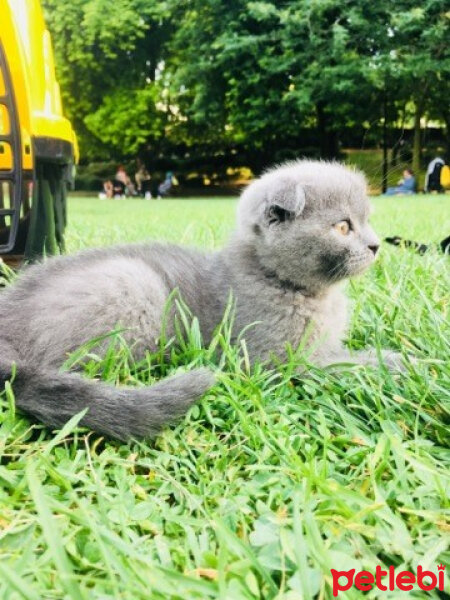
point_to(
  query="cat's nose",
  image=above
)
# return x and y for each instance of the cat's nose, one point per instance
(374, 248)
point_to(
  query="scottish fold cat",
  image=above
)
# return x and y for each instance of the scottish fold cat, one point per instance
(302, 228)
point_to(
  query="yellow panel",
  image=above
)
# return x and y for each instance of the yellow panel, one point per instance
(4, 120)
(29, 53)
(6, 157)
(2, 85)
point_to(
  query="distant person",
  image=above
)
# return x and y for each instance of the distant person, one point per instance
(119, 189)
(165, 187)
(112, 188)
(407, 185)
(433, 176)
(108, 189)
(143, 178)
(123, 177)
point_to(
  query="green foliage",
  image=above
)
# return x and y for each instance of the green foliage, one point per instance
(259, 80)
(420, 69)
(265, 484)
(127, 119)
(103, 51)
(255, 73)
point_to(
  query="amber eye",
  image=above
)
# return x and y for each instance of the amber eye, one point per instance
(343, 227)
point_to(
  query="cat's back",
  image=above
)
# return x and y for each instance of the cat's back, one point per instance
(166, 259)
(66, 301)
(101, 270)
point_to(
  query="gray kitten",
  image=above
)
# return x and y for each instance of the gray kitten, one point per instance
(302, 229)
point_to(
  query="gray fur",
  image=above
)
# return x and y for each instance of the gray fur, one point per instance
(284, 266)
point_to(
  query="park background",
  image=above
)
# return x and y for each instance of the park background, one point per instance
(267, 483)
(217, 90)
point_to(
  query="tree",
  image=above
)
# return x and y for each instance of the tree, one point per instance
(259, 73)
(104, 49)
(420, 54)
(248, 82)
(127, 119)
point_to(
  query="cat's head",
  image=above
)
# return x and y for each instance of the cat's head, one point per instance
(308, 224)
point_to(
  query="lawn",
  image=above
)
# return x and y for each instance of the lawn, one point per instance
(267, 483)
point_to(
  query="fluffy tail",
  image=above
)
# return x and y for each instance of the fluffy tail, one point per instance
(120, 412)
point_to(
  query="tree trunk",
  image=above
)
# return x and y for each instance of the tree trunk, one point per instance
(417, 143)
(446, 119)
(385, 144)
(327, 138)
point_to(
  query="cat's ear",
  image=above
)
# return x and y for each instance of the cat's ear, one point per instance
(284, 203)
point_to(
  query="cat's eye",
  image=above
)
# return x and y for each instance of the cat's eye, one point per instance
(343, 227)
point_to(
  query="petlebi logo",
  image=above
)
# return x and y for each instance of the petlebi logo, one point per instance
(388, 580)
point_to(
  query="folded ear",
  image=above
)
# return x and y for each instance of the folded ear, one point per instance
(284, 202)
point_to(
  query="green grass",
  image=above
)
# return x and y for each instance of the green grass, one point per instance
(267, 483)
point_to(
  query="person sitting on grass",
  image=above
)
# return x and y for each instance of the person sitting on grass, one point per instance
(123, 178)
(407, 185)
(165, 187)
(433, 176)
(112, 188)
(108, 189)
(143, 180)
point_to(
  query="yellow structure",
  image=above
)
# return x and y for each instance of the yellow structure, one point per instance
(37, 144)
